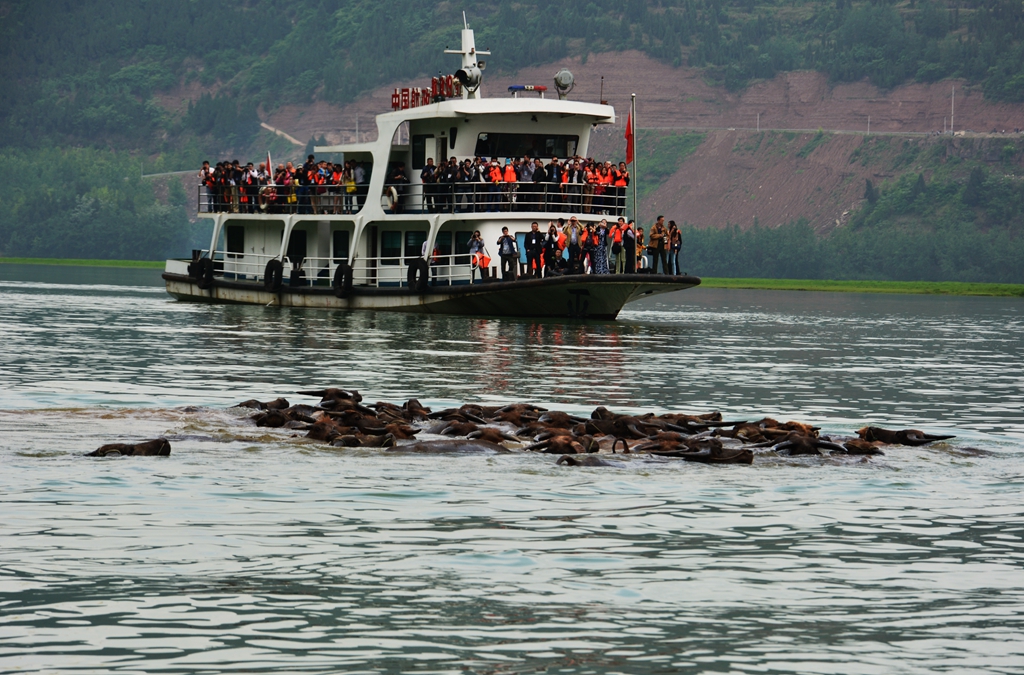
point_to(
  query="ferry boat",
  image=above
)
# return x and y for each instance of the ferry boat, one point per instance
(403, 246)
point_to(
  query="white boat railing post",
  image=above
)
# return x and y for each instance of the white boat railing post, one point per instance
(289, 225)
(218, 222)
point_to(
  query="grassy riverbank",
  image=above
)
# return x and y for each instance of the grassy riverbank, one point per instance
(914, 287)
(74, 262)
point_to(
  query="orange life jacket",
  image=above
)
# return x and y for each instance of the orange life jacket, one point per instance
(620, 178)
(510, 173)
(494, 174)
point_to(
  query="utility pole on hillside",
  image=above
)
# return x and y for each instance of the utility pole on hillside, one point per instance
(952, 108)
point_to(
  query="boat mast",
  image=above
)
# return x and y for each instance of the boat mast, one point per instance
(470, 75)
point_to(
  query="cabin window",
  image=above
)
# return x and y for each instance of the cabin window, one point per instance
(390, 247)
(443, 244)
(518, 145)
(235, 235)
(462, 238)
(340, 246)
(414, 244)
(419, 150)
(297, 247)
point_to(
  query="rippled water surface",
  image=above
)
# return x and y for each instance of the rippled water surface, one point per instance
(251, 550)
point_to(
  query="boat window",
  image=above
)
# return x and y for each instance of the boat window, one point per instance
(235, 240)
(443, 244)
(414, 243)
(419, 150)
(390, 247)
(462, 238)
(297, 247)
(521, 242)
(518, 145)
(340, 246)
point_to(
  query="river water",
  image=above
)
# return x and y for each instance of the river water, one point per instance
(250, 550)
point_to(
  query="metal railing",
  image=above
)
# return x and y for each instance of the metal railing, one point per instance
(475, 197)
(379, 271)
(418, 198)
(238, 265)
(283, 199)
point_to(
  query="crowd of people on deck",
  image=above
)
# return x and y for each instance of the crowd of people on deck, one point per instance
(477, 184)
(576, 185)
(313, 188)
(573, 247)
(472, 185)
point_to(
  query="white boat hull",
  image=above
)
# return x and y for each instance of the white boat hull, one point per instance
(579, 296)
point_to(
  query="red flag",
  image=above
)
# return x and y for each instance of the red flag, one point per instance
(629, 138)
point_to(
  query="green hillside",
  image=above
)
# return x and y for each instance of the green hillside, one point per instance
(950, 209)
(85, 72)
(84, 79)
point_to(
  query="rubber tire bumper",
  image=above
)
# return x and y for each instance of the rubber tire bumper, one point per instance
(273, 276)
(343, 280)
(204, 273)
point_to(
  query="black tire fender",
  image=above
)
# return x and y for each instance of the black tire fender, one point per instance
(417, 276)
(273, 276)
(343, 280)
(204, 273)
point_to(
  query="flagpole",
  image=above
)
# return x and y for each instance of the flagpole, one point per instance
(636, 209)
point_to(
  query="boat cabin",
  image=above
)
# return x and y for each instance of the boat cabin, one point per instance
(380, 226)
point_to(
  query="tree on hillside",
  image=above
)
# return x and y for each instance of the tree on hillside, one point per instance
(870, 193)
(974, 191)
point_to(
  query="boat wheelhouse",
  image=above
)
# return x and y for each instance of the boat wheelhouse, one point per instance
(390, 242)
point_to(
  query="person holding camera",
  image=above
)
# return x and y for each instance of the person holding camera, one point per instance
(476, 253)
(508, 251)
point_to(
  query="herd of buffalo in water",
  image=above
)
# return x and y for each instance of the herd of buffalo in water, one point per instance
(606, 438)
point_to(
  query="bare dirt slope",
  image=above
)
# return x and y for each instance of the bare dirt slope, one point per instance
(680, 97)
(736, 175)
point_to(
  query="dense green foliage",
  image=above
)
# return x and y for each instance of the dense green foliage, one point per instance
(106, 78)
(87, 203)
(945, 230)
(86, 72)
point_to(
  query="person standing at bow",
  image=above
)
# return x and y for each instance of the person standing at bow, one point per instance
(657, 245)
(508, 251)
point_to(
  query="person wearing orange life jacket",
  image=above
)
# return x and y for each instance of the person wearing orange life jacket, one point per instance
(601, 190)
(206, 188)
(250, 188)
(509, 184)
(336, 180)
(494, 176)
(621, 182)
(590, 181)
(615, 247)
(319, 191)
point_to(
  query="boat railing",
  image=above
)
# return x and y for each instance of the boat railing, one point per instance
(240, 266)
(384, 271)
(377, 272)
(282, 199)
(474, 197)
(418, 198)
